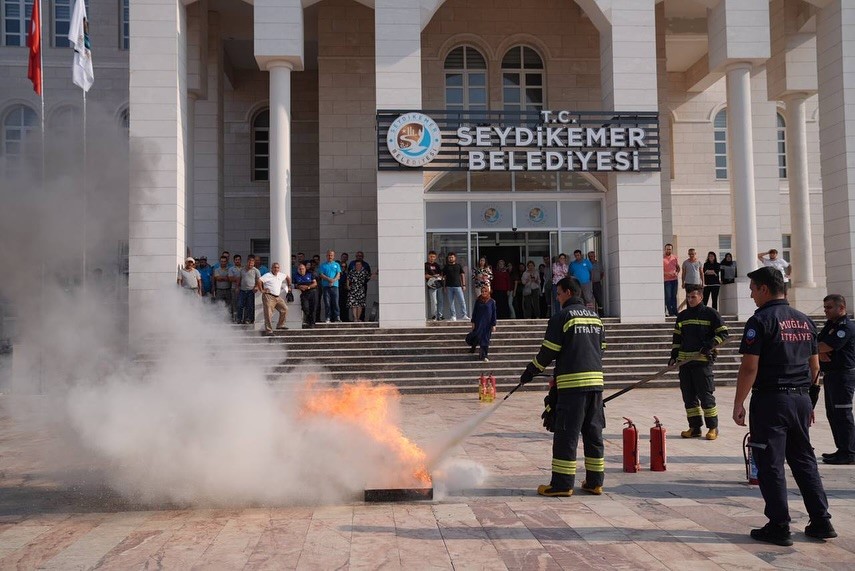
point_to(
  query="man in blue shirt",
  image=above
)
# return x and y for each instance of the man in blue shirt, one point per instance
(580, 268)
(207, 273)
(329, 273)
(305, 282)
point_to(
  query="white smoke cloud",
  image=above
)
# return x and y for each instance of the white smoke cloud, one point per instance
(187, 416)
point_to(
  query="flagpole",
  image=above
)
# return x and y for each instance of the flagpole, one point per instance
(85, 205)
(42, 96)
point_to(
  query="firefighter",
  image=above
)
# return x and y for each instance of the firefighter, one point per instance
(837, 361)
(779, 360)
(698, 330)
(575, 340)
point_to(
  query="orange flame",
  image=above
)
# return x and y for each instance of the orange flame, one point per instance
(370, 408)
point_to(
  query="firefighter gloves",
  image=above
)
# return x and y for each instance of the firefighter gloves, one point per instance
(550, 401)
(529, 373)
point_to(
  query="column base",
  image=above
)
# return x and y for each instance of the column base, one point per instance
(807, 299)
(735, 299)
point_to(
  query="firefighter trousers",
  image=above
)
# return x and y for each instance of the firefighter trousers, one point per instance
(697, 385)
(839, 389)
(578, 413)
(779, 423)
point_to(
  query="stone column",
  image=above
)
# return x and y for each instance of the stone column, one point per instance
(835, 48)
(158, 130)
(797, 174)
(400, 194)
(628, 63)
(280, 163)
(741, 159)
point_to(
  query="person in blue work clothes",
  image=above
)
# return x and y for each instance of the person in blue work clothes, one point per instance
(330, 273)
(779, 360)
(837, 361)
(575, 340)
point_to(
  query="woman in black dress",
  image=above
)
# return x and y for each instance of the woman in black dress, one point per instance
(357, 282)
(711, 281)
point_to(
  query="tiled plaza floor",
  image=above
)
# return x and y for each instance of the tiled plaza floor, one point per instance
(696, 515)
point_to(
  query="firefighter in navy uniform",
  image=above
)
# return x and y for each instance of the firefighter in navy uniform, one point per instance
(779, 360)
(575, 340)
(837, 361)
(698, 330)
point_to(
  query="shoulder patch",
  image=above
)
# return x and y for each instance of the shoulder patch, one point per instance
(841, 334)
(750, 336)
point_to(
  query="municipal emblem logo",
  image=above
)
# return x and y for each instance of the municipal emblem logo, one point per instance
(841, 334)
(536, 215)
(750, 336)
(414, 139)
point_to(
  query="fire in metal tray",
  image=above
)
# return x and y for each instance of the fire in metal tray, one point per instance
(398, 494)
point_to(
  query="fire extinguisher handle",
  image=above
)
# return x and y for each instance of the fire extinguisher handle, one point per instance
(628, 421)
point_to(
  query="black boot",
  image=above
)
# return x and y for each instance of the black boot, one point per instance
(771, 533)
(820, 529)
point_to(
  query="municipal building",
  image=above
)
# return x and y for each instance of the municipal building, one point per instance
(510, 129)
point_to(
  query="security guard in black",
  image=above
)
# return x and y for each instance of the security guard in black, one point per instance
(778, 356)
(575, 340)
(837, 361)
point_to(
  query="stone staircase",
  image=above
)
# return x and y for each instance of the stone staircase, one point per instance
(436, 358)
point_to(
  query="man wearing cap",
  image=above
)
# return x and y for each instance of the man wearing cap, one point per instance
(779, 360)
(189, 278)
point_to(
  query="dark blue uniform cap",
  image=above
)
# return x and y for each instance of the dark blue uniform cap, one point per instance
(769, 277)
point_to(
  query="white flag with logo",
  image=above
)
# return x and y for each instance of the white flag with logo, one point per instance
(78, 36)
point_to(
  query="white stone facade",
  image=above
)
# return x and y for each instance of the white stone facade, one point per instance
(201, 74)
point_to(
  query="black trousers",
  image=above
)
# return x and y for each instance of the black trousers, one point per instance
(309, 304)
(578, 412)
(697, 385)
(711, 291)
(503, 310)
(839, 390)
(779, 422)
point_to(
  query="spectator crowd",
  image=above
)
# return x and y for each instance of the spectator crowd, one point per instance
(332, 290)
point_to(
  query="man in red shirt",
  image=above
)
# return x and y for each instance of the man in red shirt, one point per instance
(671, 270)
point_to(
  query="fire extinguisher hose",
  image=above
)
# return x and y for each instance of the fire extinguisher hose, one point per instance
(659, 374)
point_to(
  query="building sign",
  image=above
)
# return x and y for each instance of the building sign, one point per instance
(413, 139)
(518, 141)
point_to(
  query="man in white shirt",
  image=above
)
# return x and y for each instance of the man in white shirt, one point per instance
(189, 277)
(780, 264)
(273, 284)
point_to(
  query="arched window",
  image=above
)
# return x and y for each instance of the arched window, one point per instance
(720, 135)
(522, 79)
(18, 124)
(465, 80)
(261, 146)
(66, 120)
(782, 146)
(16, 18)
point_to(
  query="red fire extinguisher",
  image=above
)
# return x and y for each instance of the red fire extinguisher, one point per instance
(657, 446)
(482, 387)
(750, 465)
(630, 447)
(491, 388)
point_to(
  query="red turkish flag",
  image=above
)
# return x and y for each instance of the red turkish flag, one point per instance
(34, 42)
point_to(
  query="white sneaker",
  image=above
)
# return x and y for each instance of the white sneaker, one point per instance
(454, 318)
(327, 321)
(465, 318)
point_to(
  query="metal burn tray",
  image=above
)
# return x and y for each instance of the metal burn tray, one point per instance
(398, 494)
